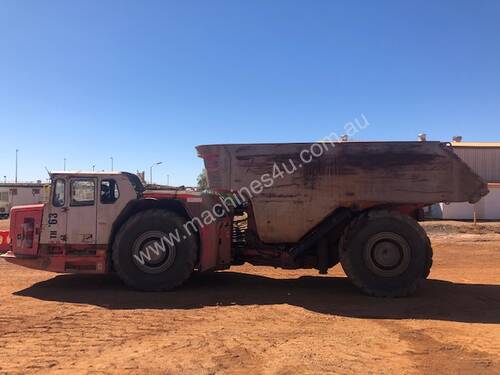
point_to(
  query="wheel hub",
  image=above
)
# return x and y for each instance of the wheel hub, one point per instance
(387, 254)
(151, 254)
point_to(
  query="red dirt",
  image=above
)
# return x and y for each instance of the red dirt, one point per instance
(258, 320)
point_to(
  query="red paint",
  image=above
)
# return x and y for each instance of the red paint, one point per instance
(208, 244)
(62, 263)
(4, 241)
(215, 244)
(25, 224)
(29, 207)
(175, 195)
(409, 209)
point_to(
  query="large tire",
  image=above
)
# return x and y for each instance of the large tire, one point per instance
(159, 270)
(385, 253)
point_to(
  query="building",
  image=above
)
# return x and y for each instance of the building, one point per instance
(16, 194)
(484, 159)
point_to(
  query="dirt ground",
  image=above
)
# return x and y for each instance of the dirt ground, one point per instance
(260, 320)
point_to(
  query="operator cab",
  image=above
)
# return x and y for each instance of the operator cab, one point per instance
(83, 206)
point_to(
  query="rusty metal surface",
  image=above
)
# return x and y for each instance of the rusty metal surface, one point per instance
(360, 174)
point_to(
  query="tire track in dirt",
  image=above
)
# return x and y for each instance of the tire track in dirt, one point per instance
(431, 355)
(255, 320)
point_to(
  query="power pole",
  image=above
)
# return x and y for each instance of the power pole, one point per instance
(151, 171)
(17, 151)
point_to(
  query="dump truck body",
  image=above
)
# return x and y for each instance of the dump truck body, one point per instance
(294, 186)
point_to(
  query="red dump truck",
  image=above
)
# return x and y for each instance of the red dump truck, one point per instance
(299, 205)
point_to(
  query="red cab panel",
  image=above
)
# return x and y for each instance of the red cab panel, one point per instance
(25, 225)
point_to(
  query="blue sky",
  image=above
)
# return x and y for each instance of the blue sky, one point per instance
(147, 81)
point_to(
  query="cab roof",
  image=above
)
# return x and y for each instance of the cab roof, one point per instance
(87, 173)
(133, 178)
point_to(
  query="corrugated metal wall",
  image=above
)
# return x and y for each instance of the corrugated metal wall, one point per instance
(484, 161)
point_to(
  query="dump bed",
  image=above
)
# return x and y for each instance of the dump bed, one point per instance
(294, 186)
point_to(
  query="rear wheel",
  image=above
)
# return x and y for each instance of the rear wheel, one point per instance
(385, 253)
(146, 255)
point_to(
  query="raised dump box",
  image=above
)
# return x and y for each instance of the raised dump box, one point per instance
(294, 186)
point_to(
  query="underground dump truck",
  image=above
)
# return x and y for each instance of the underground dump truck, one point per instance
(300, 205)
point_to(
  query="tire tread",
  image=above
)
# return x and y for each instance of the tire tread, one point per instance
(355, 225)
(162, 216)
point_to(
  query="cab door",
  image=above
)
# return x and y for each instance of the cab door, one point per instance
(81, 227)
(54, 225)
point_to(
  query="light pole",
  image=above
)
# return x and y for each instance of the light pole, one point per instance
(93, 168)
(17, 151)
(4, 179)
(151, 171)
(64, 164)
(112, 160)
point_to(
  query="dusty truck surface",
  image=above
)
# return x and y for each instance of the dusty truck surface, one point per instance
(303, 205)
(313, 204)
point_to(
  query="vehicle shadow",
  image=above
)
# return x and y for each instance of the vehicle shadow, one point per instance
(435, 300)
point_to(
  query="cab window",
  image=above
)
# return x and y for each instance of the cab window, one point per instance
(82, 192)
(109, 191)
(58, 197)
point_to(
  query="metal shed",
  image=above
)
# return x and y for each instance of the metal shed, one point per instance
(484, 159)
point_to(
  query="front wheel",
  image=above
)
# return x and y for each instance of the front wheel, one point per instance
(151, 252)
(385, 253)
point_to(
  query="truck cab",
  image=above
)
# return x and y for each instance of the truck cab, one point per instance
(95, 222)
(76, 220)
(82, 208)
